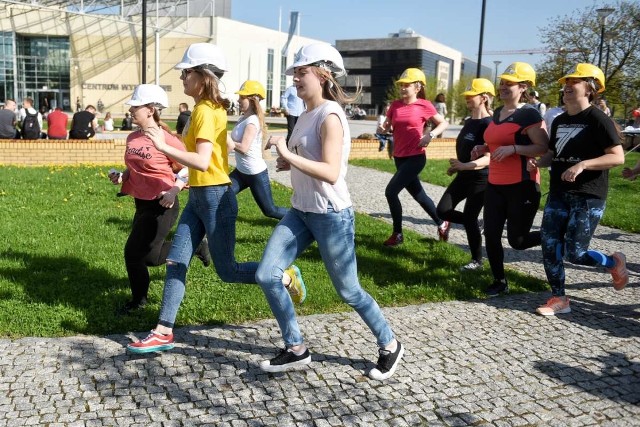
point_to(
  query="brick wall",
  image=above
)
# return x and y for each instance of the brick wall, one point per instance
(111, 151)
(439, 148)
(40, 152)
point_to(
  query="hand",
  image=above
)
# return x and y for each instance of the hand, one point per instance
(425, 140)
(231, 146)
(156, 136)
(572, 173)
(115, 176)
(282, 165)
(501, 153)
(168, 198)
(628, 173)
(456, 165)
(532, 165)
(279, 142)
(478, 151)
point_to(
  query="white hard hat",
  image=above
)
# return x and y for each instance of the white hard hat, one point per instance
(149, 94)
(204, 55)
(319, 54)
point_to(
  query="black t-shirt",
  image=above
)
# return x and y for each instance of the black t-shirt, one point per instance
(471, 134)
(82, 126)
(183, 118)
(581, 137)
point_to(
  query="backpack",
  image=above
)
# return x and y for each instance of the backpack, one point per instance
(30, 126)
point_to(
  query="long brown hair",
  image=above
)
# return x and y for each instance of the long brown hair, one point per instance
(333, 91)
(210, 89)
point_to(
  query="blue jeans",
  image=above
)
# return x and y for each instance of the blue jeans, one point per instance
(212, 210)
(334, 232)
(260, 189)
(568, 224)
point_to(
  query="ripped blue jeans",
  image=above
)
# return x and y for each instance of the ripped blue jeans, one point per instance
(568, 224)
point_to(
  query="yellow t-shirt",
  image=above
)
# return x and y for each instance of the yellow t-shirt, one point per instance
(209, 121)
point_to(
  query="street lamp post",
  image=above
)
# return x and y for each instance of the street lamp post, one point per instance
(496, 74)
(602, 14)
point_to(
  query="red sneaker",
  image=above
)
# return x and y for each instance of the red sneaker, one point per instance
(619, 272)
(153, 342)
(443, 231)
(396, 239)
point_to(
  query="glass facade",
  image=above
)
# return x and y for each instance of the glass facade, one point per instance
(7, 89)
(44, 68)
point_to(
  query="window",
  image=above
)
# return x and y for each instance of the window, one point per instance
(269, 88)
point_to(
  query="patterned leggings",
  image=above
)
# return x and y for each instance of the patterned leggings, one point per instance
(568, 224)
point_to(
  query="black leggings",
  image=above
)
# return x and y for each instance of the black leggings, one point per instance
(469, 186)
(516, 204)
(406, 176)
(146, 245)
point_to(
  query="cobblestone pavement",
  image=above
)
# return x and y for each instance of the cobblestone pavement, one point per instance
(482, 362)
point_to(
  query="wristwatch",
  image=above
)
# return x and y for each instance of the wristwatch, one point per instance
(432, 135)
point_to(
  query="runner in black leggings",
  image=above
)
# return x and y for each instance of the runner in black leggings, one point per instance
(515, 134)
(471, 178)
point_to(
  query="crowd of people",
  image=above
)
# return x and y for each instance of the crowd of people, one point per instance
(499, 154)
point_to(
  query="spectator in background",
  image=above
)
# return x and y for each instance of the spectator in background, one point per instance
(441, 107)
(554, 112)
(29, 128)
(84, 124)
(57, 124)
(293, 108)
(183, 117)
(534, 99)
(127, 122)
(602, 105)
(108, 122)
(8, 120)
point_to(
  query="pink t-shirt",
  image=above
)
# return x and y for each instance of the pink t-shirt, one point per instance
(150, 171)
(408, 121)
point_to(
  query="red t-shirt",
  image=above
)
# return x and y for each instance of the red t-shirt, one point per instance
(408, 121)
(57, 124)
(512, 169)
(150, 171)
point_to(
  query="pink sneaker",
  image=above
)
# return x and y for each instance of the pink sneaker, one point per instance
(553, 306)
(619, 272)
(153, 342)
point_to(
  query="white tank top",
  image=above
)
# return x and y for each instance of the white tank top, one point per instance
(252, 162)
(311, 194)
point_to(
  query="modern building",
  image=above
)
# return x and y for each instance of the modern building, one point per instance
(377, 62)
(68, 52)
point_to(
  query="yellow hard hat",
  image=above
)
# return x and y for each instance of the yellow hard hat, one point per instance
(479, 86)
(252, 87)
(519, 72)
(585, 71)
(411, 75)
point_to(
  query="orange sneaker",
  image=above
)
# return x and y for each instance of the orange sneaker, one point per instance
(619, 272)
(553, 306)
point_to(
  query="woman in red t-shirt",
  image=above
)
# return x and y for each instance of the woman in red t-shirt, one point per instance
(154, 181)
(408, 118)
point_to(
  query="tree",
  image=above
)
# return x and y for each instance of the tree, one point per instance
(575, 38)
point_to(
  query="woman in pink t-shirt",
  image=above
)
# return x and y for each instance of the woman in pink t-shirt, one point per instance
(154, 181)
(408, 118)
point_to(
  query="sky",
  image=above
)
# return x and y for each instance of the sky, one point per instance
(509, 24)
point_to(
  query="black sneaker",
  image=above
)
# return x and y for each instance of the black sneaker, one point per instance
(202, 252)
(286, 360)
(497, 287)
(133, 306)
(387, 363)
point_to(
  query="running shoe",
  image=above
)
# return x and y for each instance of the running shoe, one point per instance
(153, 342)
(286, 360)
(619, 272)
(553, 306)
(443, 231)
(296, 287)
(387, 363)
(394, 240)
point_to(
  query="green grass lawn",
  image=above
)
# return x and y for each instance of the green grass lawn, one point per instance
(62, 270)
(622, 202)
